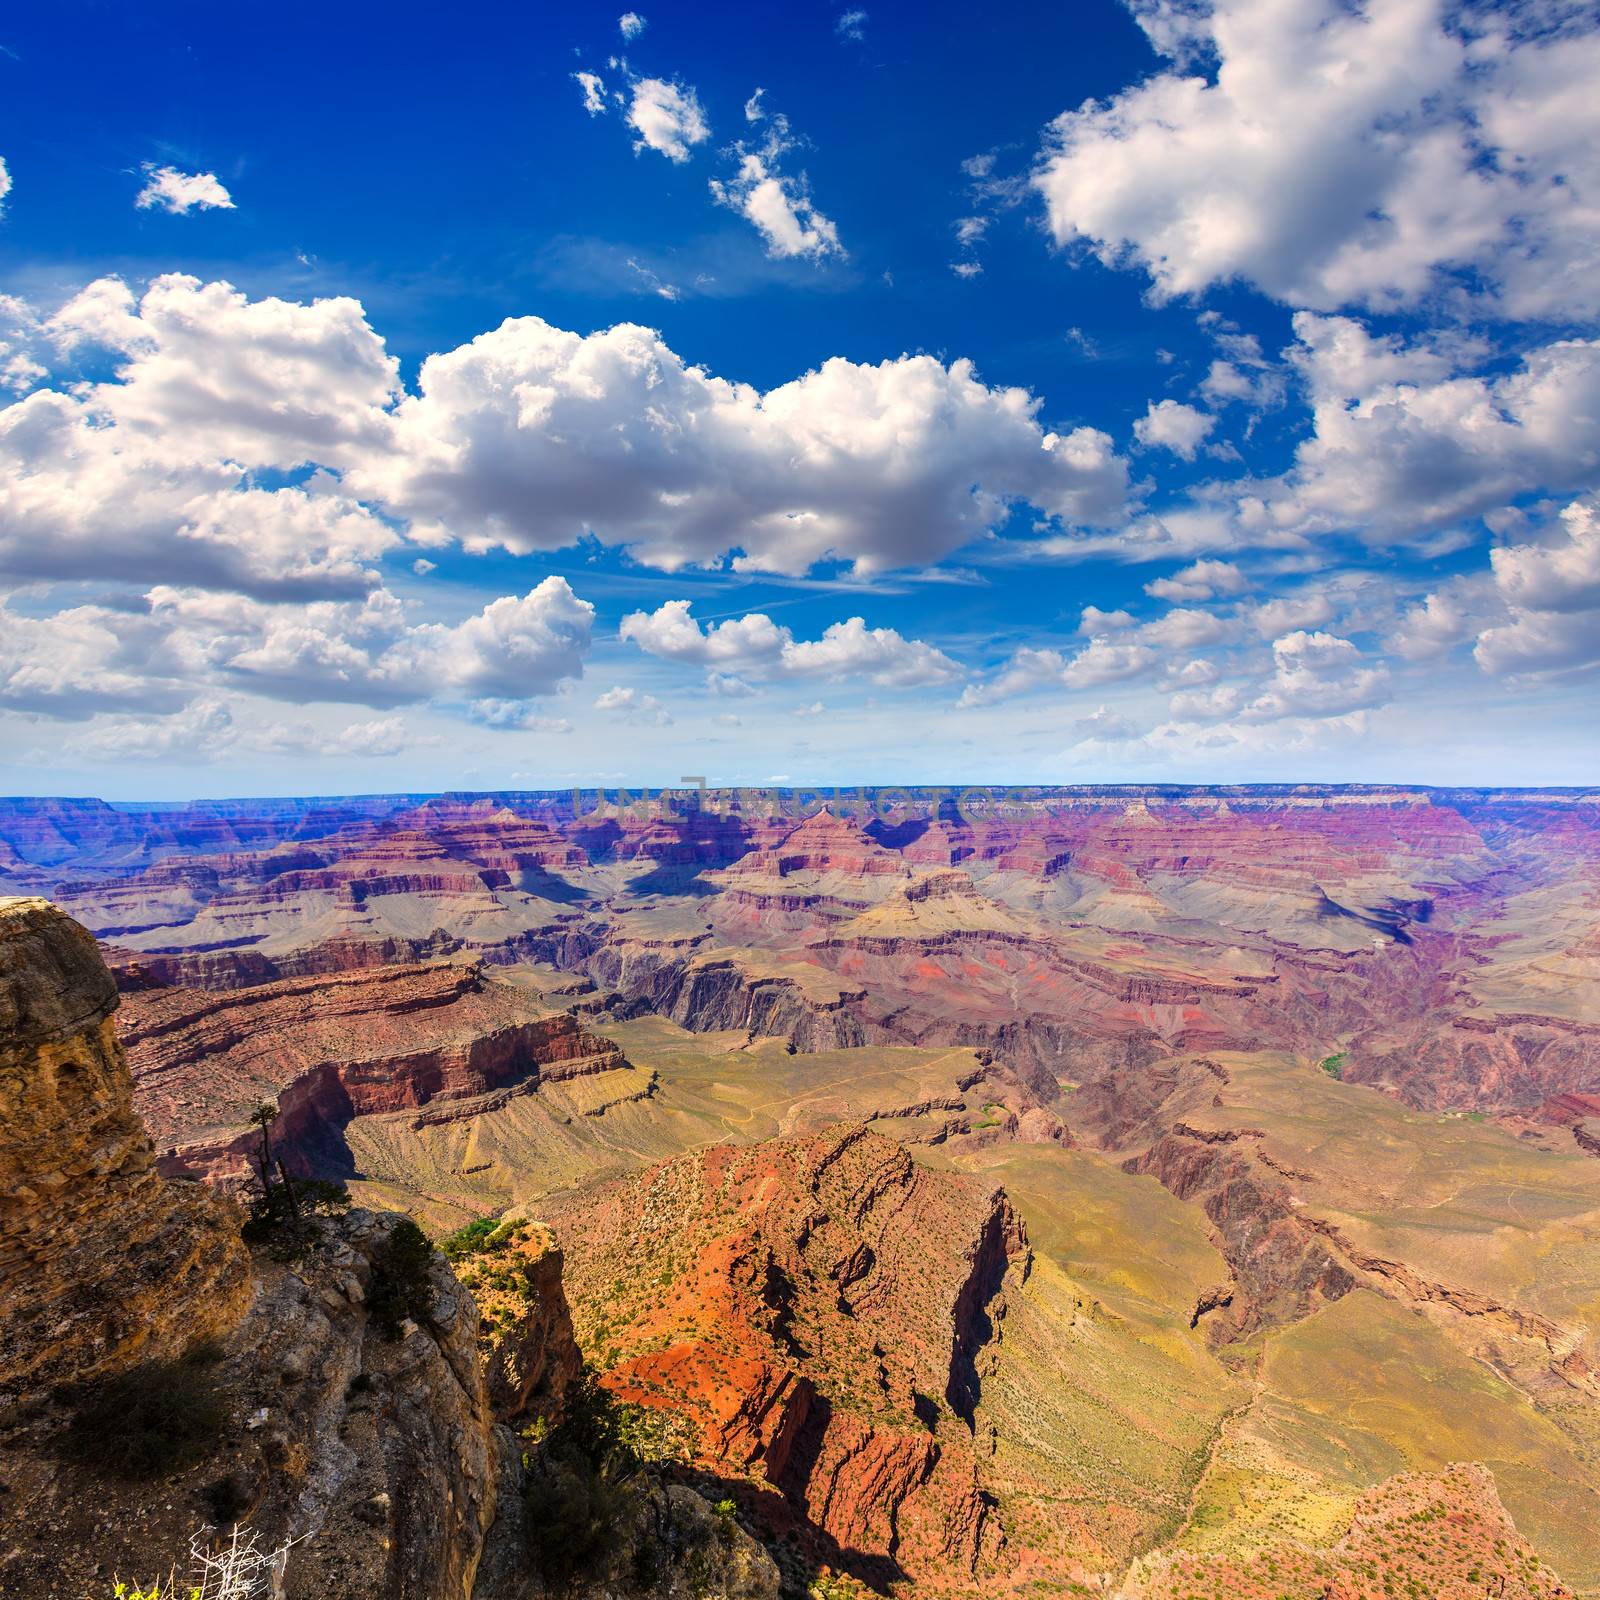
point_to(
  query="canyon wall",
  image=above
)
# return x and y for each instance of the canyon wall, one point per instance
(103, 1262)
(1442, 938)
(326, 1049)
(809, 1313)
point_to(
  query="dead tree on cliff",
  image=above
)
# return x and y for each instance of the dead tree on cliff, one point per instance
(278, 1201)
(280, 1214)
(263, 1117)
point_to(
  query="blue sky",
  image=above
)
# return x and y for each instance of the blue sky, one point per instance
(1176, 392)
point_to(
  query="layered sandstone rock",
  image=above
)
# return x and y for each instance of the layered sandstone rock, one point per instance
(330, 1048)
(809, 1313)
(1447, 936)
(102, 1262)
(823, 843)
(698, 838)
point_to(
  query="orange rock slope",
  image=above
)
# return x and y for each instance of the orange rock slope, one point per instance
(808, 1314)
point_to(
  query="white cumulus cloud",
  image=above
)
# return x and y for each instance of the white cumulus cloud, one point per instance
(1318, 675)
(754, 646)
(1346, 155)
(1403, 442)
(593, 88)
(779, 205)
(1551, 591)
(629, 705)
(1027, 670)
(666, 115)
(1108, 661)
(1119, 650)
(1172, 425)
(1200, 580)
(200, 732)
(369, 653)
(527, 436)
(1408, 444)
(1106, 726)
(167, 189)
(532, 438)
(147, 477)
(1289, 613)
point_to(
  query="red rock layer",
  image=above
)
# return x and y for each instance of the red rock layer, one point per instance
(329, 1048)
(1139, 919)
(810, 1312)
(1566, 1109)
(824, 843)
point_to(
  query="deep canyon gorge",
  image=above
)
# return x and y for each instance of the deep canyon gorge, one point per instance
(1137, 1191)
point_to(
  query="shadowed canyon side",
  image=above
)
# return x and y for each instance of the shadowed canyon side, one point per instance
(1134, 1192)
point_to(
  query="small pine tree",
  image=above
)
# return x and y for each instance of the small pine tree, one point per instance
(402, 1279)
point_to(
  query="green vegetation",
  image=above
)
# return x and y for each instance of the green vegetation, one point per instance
(1365, 1389)
(579, 1488)
(152, 1421)
(278, 1217)
(574, 1508)
(594, 1503)
(481, 1234)
(1334, 1065)
(402, 1279)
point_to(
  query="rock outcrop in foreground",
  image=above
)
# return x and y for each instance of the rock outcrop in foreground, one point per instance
(350, 1401)
(102, 1261)
(810, 1314)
